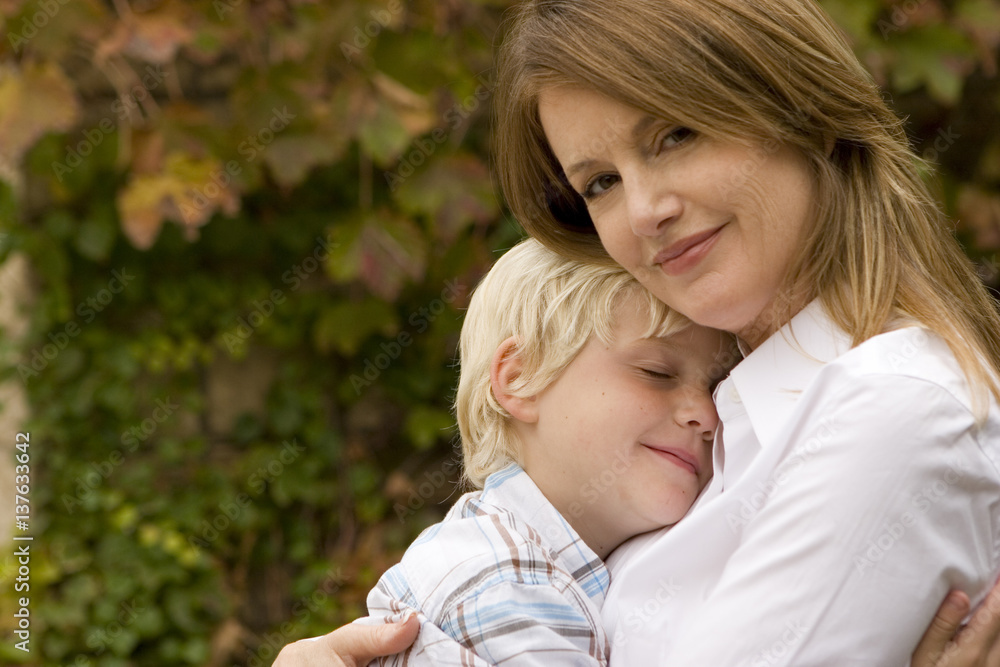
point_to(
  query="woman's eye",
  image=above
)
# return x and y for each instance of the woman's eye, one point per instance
(676, 137)
(599, 185)
(659, 375)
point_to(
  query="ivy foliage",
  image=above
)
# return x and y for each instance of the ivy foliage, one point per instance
(252, 227)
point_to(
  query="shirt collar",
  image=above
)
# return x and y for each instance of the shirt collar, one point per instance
(770, 379)
(512, 489)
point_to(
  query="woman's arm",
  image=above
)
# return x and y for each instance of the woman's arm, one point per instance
(945, 644)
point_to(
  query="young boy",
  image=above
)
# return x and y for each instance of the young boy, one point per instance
(586, 417)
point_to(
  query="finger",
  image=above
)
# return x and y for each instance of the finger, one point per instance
(311, 652)
(980, 636)
(943, 628)
(359, 644)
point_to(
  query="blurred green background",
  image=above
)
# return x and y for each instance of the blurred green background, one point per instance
(252, 227)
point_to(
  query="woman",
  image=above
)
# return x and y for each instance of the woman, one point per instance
(738, 160)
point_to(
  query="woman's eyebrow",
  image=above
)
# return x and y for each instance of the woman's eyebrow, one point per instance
(577, 167)
(640, 128)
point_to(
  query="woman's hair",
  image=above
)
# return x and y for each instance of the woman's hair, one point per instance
(552, 306)
(764, 73)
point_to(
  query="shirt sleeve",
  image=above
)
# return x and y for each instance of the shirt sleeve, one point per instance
(527, 625)
(880, 500)
(511, 624)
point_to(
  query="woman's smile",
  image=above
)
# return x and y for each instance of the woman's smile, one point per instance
(686, 253)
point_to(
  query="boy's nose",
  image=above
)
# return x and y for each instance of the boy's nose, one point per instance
(698, 412)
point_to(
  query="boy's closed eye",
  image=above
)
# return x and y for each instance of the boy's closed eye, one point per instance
(659, 374)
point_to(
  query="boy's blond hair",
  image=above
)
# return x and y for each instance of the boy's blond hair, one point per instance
(551, 305)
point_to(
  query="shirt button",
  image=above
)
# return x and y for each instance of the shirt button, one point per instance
(734, 395)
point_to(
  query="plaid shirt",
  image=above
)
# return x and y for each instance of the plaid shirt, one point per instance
(503, 580)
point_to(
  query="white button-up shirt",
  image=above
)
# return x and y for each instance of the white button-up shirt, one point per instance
(852, 490)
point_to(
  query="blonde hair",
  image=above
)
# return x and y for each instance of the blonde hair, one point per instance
(765, 73)
(552, 306)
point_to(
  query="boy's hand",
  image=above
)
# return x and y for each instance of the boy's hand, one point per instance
(949, 644)
(350, 646)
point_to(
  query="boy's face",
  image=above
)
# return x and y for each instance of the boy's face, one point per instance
(623, 440)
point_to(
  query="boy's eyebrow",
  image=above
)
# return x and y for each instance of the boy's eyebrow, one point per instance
(656, 342)
(641, 126)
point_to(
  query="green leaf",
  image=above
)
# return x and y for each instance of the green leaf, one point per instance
(383, 136)
(96, 236)
(936, 56)
(381, 249)
(290, 158)
(343, 326)
(855, 16)
(426, 426)
(453, 192)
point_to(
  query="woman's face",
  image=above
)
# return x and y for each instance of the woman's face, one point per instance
(709, 227)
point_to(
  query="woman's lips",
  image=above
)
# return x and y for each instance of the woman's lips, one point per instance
(686, 253)
(678, 457)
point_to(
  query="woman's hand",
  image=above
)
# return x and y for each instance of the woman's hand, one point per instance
(949, 644)
(352, 645)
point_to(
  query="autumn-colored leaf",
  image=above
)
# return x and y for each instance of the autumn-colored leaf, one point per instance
(33, 101)
(188, 191)
(153, 37)
(979, 212)
(414, 110)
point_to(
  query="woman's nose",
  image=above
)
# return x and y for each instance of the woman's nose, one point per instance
(651, 206)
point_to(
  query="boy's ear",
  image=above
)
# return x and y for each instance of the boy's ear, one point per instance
(504, 369)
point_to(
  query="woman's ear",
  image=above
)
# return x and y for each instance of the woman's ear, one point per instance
(505, 368)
